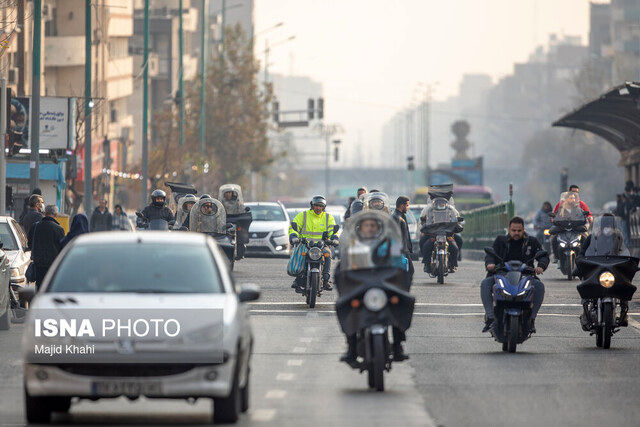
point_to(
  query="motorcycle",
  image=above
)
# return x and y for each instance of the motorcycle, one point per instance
(228, 243)
(569, 236)
(606, 283)
(315, 252)
(154, 225)
(440, 254)
(242, 222)
(512, 301)
(373, 301)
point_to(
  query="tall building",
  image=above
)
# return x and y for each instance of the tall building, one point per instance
(625, 39)
(164, 54)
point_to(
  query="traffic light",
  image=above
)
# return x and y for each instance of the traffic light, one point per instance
(276, 112)
(320, 108)
(336, 153)
(310, 108)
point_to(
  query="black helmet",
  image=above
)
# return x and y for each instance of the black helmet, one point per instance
(318, 200)
(205, 196)
(156, 194)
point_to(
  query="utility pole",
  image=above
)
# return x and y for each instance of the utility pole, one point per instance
(3, 137)
(88, 103)
(181, 71)
(145, 106)
(34, 164)
(203, 78)
(224, 23)
(266, 61)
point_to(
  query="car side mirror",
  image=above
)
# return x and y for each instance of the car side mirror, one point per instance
(249, 292)
(26, 293)
(294, 226)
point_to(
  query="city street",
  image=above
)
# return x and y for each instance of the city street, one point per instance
(456, 375)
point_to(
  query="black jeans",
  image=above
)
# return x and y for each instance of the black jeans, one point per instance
(426, 246)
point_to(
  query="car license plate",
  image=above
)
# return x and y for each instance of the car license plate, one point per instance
(126, 388)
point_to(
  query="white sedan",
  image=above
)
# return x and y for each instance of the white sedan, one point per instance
(151, 276)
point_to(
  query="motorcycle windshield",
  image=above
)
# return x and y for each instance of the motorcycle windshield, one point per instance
(243, 220)
(158, 224)
(444, 191)
(569, 207)
(440, 228)
(606, 239)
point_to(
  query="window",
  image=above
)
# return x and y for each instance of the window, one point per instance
(267, 213)
(141, 268)
(7, 238)
(21, 236)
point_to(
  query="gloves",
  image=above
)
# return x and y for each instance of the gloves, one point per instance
(293, 239)
(334, 242)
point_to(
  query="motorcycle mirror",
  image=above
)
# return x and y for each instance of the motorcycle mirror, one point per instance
(541, 254)
(336, 228)
(139, 215)
(294, 226)
(460, 219)
(247, 209)
(489, 250)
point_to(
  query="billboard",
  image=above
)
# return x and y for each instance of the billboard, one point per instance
(55, 114)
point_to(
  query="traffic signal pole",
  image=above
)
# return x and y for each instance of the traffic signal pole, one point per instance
(34, 164)
(3, 137)
(145, 107)
(88, 184)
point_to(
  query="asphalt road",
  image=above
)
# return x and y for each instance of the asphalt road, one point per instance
(456, 376)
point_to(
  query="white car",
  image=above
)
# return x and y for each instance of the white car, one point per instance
(269, 229)
(174, 273)
(15, 245)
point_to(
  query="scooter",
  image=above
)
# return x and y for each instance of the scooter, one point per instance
(512, 301)
(372, 302)
(605, 289)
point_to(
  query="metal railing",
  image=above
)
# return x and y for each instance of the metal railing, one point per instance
(482, 225)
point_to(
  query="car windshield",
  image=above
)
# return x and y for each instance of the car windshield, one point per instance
(7, 238)
(267, 213)
(141, 268)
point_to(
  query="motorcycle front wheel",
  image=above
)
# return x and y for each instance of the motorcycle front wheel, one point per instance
(376, 369)
(513, 326)
(312, 289)
(604, 332)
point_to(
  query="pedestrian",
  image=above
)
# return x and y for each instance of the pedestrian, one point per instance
(399, 216)
(359, 193)
(25, 206)
(101, 219)
(45, 242)
(79, 225)
(120, 221)
(33, 214)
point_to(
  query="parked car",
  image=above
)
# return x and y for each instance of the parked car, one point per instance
(414, 232)
(164, 272)
(269, 230)
(15, 246)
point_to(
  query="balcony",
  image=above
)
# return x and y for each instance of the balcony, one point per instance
(64, 51)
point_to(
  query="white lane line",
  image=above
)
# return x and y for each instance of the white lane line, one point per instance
(284, 376)
(295, 362)
(306, 340)
(263, 415)
(299, 350)
(275, 394)
(310, 330)
(418, 304)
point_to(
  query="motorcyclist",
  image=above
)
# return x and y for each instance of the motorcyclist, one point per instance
(606, 239)
(357, 200)
(312, 223)
(542, 221)
(360, 244)
(157, 209)
(185, 204)
(569, 208)
(575, 189)
(438, 210)
(376, 200)
(208, 216)
(515, 246)
(231, 197)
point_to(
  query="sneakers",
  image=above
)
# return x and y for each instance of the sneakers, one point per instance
(426, 268)
(326, 286)
(488, 322)
(532, 327)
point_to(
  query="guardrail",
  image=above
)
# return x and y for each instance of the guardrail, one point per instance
(482, 225)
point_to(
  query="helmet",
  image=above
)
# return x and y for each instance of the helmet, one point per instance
(189, 198)
(158, 194)
(205, 196)
(318, 200)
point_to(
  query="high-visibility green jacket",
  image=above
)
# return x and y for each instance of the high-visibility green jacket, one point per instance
(311, 225)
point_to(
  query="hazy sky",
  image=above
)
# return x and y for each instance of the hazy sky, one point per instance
(371, 54)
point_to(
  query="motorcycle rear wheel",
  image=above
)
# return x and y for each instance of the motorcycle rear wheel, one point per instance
(441, 267)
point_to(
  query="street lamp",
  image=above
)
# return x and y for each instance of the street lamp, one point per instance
(266, 54)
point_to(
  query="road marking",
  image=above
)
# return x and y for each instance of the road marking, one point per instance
(295, 362)
(418, 304)
(275, 394)
(310, 330)
(299, 349)
(633, 322)
(284, 376)
(263, 415)
(306, 340)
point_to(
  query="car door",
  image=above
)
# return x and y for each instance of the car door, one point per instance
(24, 253)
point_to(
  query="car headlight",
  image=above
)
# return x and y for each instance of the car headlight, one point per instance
(278, 233)
(607, 279)
(375, 299)
(315, 253)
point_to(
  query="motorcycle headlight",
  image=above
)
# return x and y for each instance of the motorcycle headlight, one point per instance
(563, 244)
(278, 233)
(547, 232)
(375, 299)
(315, 253)
(607, 279)
(575, 243)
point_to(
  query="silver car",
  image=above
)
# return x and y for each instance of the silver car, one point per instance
(155, 271)
(269, 230)
(16, 247)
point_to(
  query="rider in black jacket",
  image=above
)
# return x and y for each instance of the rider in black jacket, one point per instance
(399, 216)
(158, 208)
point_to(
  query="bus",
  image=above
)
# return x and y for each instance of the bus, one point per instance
(466, 197)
